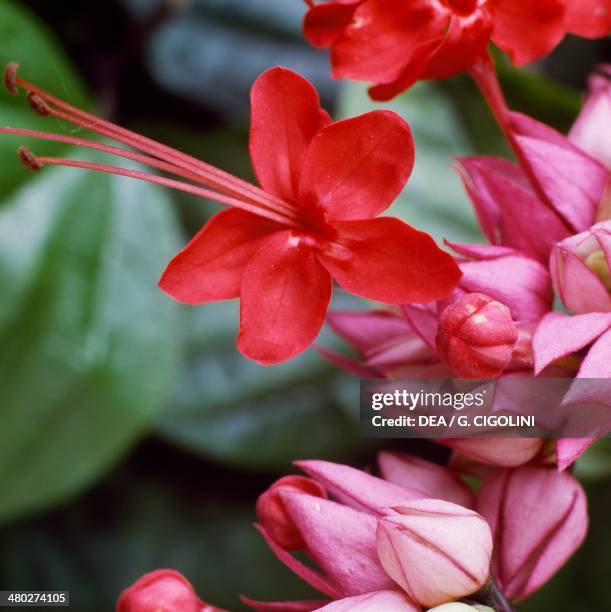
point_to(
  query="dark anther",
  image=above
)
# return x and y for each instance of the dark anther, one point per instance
(10, 77)
(29, 160)
(38, 105)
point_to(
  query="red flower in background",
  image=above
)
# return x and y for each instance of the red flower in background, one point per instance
(162, 590)
(278, 248)
(394, 43)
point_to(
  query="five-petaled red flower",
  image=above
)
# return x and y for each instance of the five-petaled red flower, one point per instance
(278, 248)
(394, 43)
(336, 177)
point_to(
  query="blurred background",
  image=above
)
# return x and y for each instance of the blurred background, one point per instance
(132, 434)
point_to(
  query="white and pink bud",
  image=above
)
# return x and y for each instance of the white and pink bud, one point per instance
(436, 551)
(581, 270)
(589, 132)
(491, 451)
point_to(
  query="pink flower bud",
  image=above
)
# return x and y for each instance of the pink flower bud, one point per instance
(388, 601)
(436, 481)
(508, 275)
(501, 452)
(273, 515)
(460, 607)
(538, 518)
(580, 267)
(476, 336)
(589, 131)
(162, 590)
(435, 550)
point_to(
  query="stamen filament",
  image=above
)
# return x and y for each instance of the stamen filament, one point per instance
(160, 180)
(97, 146)
(123, 153)
(223, 180)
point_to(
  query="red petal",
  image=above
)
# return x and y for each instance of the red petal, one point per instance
(285, 116)
(389, 261)
(588, 18)
(527, 30)
(210, 267)
(355, 168)
(382, 37)
(284, 299)
(325, 23)
(415, 69)
(466, 41)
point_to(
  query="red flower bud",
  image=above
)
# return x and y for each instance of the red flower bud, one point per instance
(273, 515)
(476, 336)
(162, 590)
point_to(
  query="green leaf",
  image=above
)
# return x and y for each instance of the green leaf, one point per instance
(434, 199)
(88, 344)
(233, 411)
(595, 464)
(537, 95)
(26, 39)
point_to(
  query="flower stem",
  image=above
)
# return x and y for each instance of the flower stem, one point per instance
(491, 595)
(483, 73)
(500, 602)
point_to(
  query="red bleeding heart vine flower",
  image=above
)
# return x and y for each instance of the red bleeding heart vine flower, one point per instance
(278, 247)
(394, 43)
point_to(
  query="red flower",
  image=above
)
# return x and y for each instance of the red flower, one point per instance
(394, 43)
(279, 248)
(162, 590)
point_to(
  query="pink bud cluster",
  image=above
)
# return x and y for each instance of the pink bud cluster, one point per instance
(500, 320)
(417, 538)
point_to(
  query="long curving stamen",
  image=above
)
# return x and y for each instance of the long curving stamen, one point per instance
(291, 219)
(207, 178)
(45, 103)
(34, 162)
(103, 148)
